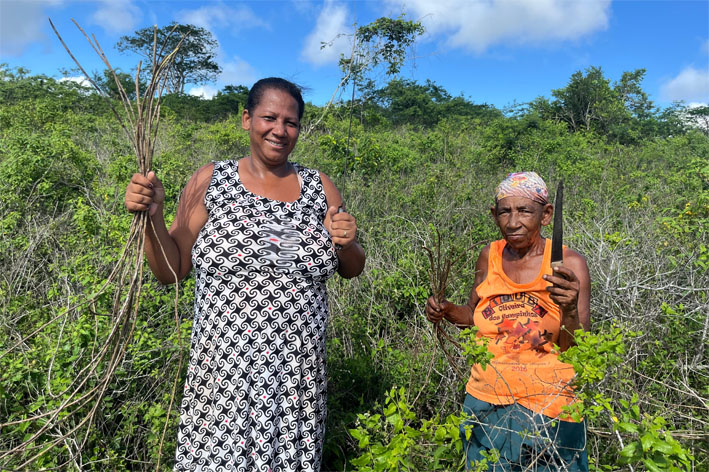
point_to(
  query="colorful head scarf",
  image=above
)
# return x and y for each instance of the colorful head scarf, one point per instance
(523, 184)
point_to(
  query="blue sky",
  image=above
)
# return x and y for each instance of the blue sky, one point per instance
(490, 51)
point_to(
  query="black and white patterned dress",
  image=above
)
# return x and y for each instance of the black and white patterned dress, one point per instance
(255, 395)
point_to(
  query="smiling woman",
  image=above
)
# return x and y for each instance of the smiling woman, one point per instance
(263, 234)
(273, 128)
(274, 125)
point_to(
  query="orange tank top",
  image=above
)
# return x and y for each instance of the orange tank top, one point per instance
(522, 324)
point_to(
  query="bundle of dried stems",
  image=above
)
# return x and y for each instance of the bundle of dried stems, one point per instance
(439, 272)
(64, 424)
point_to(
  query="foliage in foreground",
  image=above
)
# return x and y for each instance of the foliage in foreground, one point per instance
(396, 440)
(637, 209)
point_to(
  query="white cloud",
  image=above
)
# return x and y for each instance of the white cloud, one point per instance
(81, 80)
(117, 16)
(214, 16)
(87, 88)
(237, 72)
(478, 25)
(21, 24)
(204, 91)
(691, 85)
(331, 27)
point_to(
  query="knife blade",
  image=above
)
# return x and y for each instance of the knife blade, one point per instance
(557, 239)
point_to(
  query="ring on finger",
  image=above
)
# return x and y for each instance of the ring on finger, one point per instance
(345, 233)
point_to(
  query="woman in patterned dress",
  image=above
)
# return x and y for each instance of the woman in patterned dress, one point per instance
(263, 235)
(523, 308)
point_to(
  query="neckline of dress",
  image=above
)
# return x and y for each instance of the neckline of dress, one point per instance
(296, 167)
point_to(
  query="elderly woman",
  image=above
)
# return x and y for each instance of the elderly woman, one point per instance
(263, 235)
(523, 307)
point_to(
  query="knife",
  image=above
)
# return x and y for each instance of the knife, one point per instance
(557, 239)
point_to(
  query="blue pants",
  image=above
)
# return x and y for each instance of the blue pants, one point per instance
(525, 440)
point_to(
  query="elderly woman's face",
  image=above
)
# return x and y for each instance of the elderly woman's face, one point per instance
(520, 220)
(273, 127)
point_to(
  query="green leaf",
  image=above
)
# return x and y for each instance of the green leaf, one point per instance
(362, 462)
(440, 435)
(630, 452)
(647, 441)
(651, 466)
(440, 450)
(626, 427)
(664, 447)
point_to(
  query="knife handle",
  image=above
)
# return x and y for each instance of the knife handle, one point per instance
(558, 264)
(340, 209)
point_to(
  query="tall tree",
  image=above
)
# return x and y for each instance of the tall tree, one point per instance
(195, 61)
(621, 112)
(588, 102)
(698, 117)
(384, 41)
(632, 95)
(405, 101)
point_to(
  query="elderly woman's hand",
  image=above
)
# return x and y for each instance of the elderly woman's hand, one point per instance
(564, 290)
(435, 312)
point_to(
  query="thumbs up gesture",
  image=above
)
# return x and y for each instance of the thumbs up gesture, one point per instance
(341, 226)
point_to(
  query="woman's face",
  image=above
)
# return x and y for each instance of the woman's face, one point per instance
(273, 127)
(520, 220)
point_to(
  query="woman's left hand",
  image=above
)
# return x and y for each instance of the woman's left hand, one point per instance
(341, 226)
(564, 290)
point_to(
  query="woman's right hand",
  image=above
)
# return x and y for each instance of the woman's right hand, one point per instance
(437, 311)
(144, 193)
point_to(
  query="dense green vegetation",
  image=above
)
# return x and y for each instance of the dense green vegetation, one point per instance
(637, 207)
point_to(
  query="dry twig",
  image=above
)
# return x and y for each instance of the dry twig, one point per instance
(63, 424)
(439, 274)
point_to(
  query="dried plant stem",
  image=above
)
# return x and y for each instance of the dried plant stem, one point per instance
(439, 274)
(140, 121)
(179, 359)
